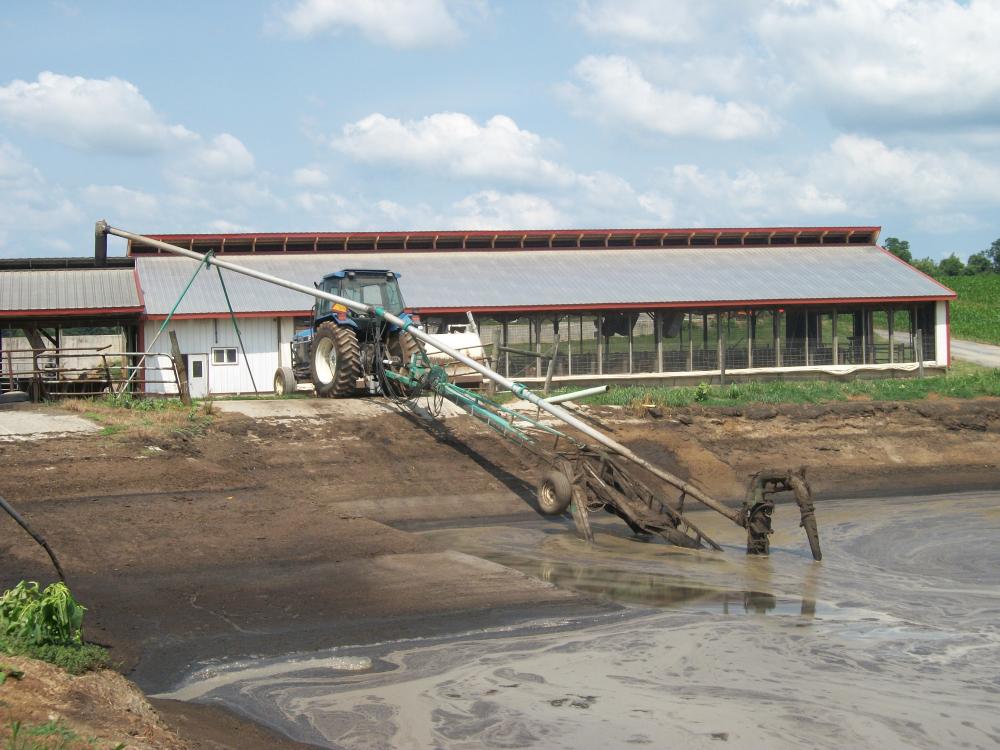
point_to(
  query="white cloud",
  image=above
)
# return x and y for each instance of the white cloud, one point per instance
(310, 177)
(397, 23)
(922, 180)
(893, 64)
(455, 143)
(489, 209)
(89, 114)
(614, 89)
(647, 21)
(122, 203)
(32, 208)
(224, 157)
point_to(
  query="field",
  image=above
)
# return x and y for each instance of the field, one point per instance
(975, 315)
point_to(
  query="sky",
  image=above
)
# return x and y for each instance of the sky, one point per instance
(328, 115)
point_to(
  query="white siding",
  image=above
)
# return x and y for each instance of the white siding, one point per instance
(941, 332)
(260, 337)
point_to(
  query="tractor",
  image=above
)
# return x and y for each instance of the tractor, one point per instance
(343, 350)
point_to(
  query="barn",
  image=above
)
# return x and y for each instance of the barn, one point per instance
(625, 305)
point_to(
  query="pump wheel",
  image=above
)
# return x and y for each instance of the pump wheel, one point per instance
(555, 493)
(335, 360)
(284, 381)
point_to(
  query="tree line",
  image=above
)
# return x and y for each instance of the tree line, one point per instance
(985, 261)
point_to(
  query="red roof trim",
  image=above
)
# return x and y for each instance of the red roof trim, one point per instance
(77, 311)
(684, 305)
(209, 316)
(489, 239)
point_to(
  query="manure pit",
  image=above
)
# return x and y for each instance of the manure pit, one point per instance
(891, 642)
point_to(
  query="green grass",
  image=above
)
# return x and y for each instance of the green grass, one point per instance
(975, 315)
(75, 659)
(969, 382)
(52, 735)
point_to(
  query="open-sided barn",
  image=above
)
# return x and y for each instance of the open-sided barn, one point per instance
(674, 305)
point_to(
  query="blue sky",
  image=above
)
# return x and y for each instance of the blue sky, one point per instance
(322, 115)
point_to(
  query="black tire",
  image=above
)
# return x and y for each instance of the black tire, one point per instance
(335, 360)
(284, 381)
(555, 493)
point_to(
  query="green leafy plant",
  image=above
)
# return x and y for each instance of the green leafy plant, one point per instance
(702, 392)
(43, 617)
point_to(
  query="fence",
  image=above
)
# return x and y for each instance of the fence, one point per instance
(66, 371)
(680, 341)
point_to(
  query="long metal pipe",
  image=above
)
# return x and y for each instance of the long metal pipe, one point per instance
(516, 388)
(576, 394)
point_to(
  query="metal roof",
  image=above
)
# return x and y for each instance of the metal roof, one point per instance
(69, 291)
(495, 280)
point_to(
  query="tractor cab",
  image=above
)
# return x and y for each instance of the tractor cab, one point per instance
(370, 287)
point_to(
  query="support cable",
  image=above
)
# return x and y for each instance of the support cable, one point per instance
(166, 321)
(239, 336)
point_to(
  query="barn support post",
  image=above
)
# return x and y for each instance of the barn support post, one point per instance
(776, 334)
(658, 338)
(836, 342)
(690, 357)
(919, 349)
(891, 314)
(537, 325)
(600, 344)
(722, 349)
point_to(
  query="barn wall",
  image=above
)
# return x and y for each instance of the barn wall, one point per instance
(261, 337)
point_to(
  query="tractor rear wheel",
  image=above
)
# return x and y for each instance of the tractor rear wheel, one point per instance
(335, 360)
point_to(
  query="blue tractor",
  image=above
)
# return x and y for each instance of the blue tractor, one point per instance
(344, 351)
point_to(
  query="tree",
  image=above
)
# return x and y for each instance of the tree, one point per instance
(926, 265)
(994, 255)
(952, 266)
(899, 248)
(978, 263)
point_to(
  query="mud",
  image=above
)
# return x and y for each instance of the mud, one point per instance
(282, 535)
(892, 641)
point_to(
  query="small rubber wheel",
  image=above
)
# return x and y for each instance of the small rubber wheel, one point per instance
(284, 381)
(555, 493)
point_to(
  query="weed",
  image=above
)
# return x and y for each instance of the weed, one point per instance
(73, 659)
(49, 617)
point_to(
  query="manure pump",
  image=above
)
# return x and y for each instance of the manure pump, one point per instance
(363, 332)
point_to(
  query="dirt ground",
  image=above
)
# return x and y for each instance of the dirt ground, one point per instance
(286, 533)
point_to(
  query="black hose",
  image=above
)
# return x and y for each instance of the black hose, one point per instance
(37, 537)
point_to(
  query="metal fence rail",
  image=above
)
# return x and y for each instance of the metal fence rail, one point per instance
(43, 375)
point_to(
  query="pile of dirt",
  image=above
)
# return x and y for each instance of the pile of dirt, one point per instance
(97, 709)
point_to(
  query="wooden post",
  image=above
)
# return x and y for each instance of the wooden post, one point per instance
(180, 369)
(538, 344)
(506, 342)
(552, 365)
(807, 337)
(751, 330)
(722, 349)
(658, 338)
(690, 362)
(892, 333)
(491, 387)
(600, 344)
(631, 339)
(776, 329)
(918, 345)
(836, 352)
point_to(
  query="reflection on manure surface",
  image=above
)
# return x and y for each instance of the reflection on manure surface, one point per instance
(900, 650)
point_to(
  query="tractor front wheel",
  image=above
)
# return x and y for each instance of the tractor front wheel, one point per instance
(335, 360)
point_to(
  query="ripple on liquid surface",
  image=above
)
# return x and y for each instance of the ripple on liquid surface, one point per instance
(891, 641)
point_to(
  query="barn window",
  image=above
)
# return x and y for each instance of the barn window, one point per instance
(224, 356)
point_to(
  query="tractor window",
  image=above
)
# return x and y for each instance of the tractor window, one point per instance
(374, 290)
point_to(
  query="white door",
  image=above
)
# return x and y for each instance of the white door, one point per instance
(198, 375)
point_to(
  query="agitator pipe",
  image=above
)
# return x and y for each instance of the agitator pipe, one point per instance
(102, 227)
